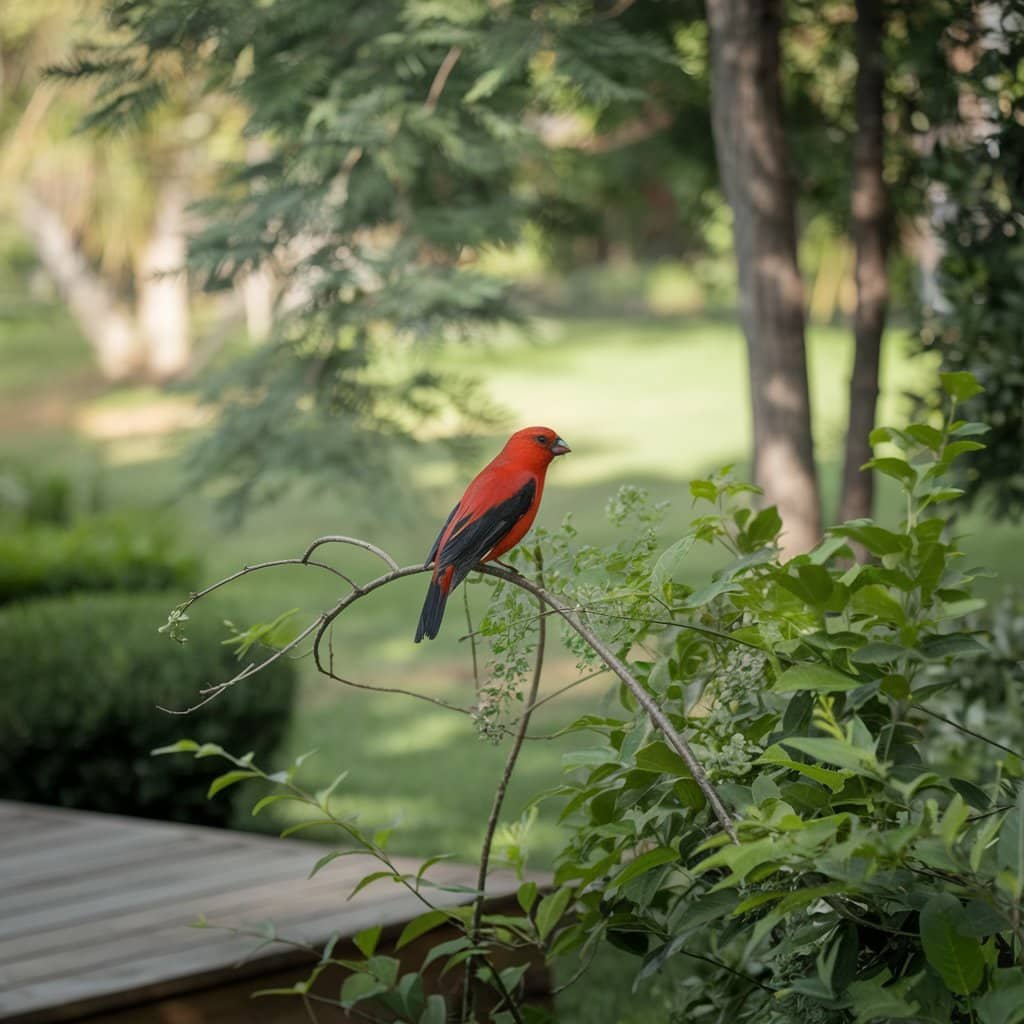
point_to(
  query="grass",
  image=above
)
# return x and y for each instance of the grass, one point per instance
(653, 402)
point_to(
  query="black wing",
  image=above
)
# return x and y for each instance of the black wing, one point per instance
(437, 539)
(470, 542)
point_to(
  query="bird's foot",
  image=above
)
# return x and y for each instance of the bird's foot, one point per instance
(508, 568)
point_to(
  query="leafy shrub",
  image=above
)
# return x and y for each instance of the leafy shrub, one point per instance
(27, 497)
(879, 868)
(102, 553)
(868, 865)
(80, 681)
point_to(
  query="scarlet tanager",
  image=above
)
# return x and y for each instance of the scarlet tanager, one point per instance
(494, 514)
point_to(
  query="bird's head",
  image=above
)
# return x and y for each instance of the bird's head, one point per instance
(536, 445)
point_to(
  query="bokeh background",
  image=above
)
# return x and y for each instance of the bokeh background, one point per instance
(272, 271)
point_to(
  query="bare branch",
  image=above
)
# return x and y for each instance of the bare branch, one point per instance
(356, 542)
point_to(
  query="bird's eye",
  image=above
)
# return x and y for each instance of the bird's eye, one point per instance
(541, 439)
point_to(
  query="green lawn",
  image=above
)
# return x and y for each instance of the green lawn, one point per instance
(652, 402)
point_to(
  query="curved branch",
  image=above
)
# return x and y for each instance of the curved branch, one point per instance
(323, 624)
(356, 542)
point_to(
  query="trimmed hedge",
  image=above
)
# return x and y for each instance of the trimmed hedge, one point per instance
(80, 678)
(98, 554)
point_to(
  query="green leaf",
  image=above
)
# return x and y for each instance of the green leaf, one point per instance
(960, 386)
(550, 911)
(420, 926)
(876, 539)
(325, 794)
(327, 858)
(898, 469)
(358, 987)
(669, 565)
(835, 752)
(645, 862)
(945, 936)
(229, 779)
(659, 757)
(928, 436)
(182, 746)
(765, 527)
(366, 941)
(369, 879)
(875, 1000)
(704, 489)
(526, 895)
(878, 601)
(877, 652)
(832, 779)
(953, 821)
(951, 645)
(436, 1012)
(459, 945)
(273, 798)
(1004, 1003)
(819, 678)
(1010, 851)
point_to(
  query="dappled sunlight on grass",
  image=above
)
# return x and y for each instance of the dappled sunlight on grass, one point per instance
(433, 730)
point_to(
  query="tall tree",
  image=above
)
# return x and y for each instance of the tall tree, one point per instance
(746, 110)
(869, 227)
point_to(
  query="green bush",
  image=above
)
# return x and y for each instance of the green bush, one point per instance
(101, 553)
(80, 681)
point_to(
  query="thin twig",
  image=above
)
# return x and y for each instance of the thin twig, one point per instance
(356, 542)
(437, 701)
(963, 728)
(250, 670)
(451, 58)
(472, 641)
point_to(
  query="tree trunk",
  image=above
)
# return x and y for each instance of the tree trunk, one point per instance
(161, 285)
(870, 230)
(106, 324)
(746, 109)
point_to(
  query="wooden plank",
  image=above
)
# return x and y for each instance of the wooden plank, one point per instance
(89, 849)
(256, 901)
(98, 918)
(248, 870)
(130, 866)
(193, 967)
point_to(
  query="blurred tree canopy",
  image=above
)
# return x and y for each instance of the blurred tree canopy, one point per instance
(974, 126)
(382, 153)
(394, 135)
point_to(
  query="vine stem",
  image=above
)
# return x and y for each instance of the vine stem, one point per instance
(469, 996)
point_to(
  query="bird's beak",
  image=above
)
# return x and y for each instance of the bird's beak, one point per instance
(560, 447)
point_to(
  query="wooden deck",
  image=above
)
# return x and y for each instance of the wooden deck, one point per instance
(94, 915)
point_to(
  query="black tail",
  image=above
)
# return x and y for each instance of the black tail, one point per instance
(433, 612)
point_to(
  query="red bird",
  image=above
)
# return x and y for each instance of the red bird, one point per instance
(496, 511)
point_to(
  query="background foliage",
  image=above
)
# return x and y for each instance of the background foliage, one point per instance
(80, 681)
